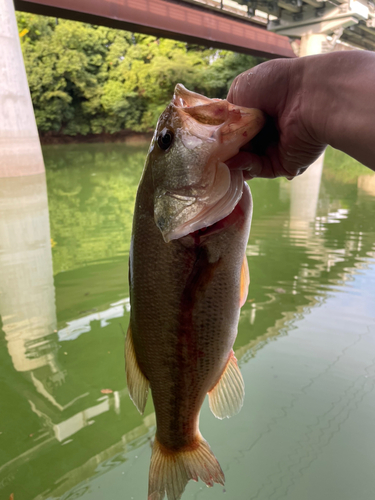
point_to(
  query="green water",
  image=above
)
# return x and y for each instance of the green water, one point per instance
(306, 340)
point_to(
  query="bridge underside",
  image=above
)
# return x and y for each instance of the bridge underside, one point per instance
(170, 19)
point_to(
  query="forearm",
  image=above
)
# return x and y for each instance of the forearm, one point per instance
(338, 100)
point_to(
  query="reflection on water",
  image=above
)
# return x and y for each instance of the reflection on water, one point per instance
(304, 194)
(27, 296)
(306, 337)
(366, 183)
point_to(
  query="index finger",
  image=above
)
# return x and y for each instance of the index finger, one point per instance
(253, 165)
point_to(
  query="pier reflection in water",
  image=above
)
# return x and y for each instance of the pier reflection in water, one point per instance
(306, 337)
(27, 293)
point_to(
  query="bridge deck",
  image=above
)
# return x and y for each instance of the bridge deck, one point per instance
(171, 19)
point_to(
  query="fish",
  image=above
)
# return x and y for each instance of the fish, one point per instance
(188, 279)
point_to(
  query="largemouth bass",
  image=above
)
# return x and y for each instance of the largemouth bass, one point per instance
(188, 279)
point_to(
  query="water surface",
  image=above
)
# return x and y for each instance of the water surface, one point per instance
(306, 340)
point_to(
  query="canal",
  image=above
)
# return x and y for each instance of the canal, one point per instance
(306, 339)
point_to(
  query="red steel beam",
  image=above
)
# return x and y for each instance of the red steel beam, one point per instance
(170, 19)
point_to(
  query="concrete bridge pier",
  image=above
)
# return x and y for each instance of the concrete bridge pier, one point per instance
(312, 44)
(27, 296)
(20, 151)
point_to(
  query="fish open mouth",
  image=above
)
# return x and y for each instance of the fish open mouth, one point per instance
(212, 191)
(184, 98)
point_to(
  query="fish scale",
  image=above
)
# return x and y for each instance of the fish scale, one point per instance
(187, 266)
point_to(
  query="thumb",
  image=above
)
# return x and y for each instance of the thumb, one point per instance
(264, 87)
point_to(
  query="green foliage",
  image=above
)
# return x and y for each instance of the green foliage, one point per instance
(341, 167)
(219, 75)
(88, 79)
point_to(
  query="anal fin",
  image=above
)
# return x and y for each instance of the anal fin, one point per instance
(245, 281)
(138, 384)
(226, 398)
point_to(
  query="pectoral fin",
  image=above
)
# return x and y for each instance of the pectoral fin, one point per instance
(245, 281)
(137, 383)
(226, 398)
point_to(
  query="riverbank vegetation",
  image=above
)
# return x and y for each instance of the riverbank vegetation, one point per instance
(87, 79)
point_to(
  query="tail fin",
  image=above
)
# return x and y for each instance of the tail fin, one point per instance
(170, 471)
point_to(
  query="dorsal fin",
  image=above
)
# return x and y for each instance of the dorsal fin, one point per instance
(226, 398)
(138, 384)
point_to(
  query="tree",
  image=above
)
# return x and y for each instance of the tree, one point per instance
(88, 79)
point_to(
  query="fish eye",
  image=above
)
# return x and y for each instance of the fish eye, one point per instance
(165, 139)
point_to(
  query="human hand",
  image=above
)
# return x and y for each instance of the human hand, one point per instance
(289, 143)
